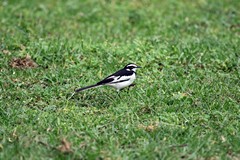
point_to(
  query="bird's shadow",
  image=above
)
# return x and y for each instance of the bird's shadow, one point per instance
(97, 99)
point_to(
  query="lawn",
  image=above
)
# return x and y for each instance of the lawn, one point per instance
(186, 101)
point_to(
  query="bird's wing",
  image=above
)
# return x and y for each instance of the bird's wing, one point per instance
(119, 76)
(106, 80)
(120, 79)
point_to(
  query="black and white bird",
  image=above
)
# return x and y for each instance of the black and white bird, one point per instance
(119, 80)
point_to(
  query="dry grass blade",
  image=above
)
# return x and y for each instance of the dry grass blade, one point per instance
(25, 62)
(65, 146)
(149, 128)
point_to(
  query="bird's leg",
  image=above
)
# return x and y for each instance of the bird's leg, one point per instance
(131, 85)
(118, 92)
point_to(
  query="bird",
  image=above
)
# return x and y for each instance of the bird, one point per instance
(118, 80)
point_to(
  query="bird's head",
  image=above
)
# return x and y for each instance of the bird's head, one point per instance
(132, 67)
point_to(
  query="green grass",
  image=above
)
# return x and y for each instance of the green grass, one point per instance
(186, 104)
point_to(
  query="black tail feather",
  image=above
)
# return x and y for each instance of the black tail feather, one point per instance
(88, 87)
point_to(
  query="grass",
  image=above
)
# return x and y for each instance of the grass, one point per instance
(186, 104)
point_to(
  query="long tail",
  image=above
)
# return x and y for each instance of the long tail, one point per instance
(88, 87)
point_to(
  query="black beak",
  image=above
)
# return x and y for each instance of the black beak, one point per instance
(139, 67)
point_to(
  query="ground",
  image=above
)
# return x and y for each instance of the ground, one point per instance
(186, 101)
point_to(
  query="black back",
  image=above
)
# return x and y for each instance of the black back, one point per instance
(120, 73)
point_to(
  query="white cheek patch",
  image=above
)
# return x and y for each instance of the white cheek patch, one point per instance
(128, 69)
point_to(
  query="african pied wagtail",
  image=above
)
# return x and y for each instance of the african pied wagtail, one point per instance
(119, 80)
